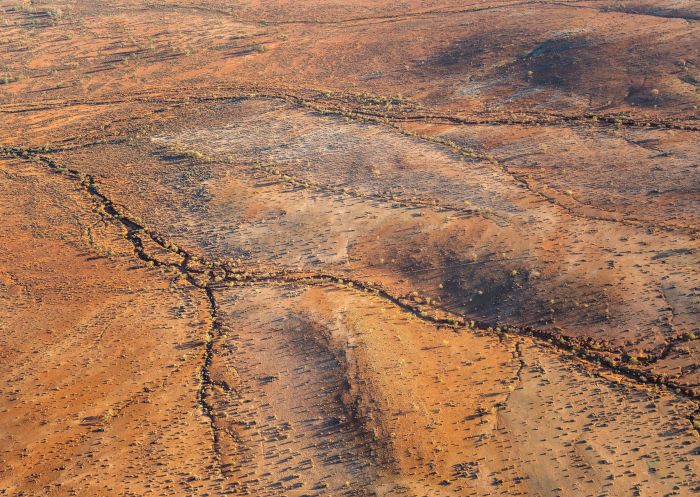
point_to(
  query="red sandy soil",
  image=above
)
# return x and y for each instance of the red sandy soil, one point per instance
(367, 249)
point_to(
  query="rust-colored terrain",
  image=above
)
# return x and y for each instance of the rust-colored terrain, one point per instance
(303, 248)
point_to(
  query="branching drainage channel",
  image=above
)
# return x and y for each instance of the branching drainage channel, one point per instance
(208, 276)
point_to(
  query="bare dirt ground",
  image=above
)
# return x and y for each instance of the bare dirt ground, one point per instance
(420, 248)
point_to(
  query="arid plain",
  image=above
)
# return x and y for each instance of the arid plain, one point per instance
(315, 248)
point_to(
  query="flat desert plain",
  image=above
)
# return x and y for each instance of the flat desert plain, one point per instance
(362, 248)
